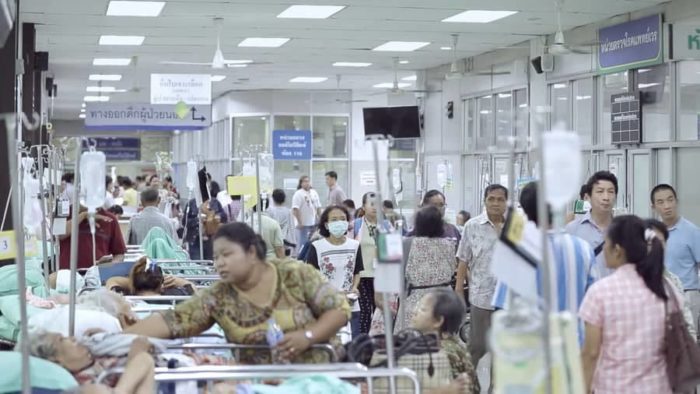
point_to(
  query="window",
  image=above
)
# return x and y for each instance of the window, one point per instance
(522, 120)
(689, 101)
(560, 103)
(484, 138)
(285, 122)
(504, 120)
(469, 125)
(287, 174)
(330, 136)
(247, 132)
(654, 85)
(318, 177)
(688, 192)
(583, 110)
(610, 84)
(403, 149)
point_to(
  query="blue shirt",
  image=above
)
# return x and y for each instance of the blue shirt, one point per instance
(573, 268)
(683, 253)
(586, 229)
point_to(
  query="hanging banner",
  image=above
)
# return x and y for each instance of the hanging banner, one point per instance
(109, 116)
(291, 144)
(632, 44)
(175, 88)
(686, 41)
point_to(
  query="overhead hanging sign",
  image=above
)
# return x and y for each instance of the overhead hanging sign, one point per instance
(686, 41)
(117, 149)
(187, 88)
(631, 44)
(109, 116)
(291, 144)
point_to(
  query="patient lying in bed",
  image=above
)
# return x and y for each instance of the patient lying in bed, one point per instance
(147, 279)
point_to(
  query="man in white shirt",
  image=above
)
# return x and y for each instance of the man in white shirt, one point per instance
(306, 206)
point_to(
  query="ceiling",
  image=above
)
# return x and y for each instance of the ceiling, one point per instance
(69, 30)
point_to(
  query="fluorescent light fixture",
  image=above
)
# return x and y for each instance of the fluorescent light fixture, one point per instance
(648, 85)
(81, 116)
(479, 16)
(135, 8)
(410, 79)
(308, 79)
(559, 85)
(262, 42)
(217, 78)
(522, 106)
(390, 85)
(504, 95)
(82, 110)
(403, 62)
(103, 89)
(105, 77)
(351, 64)
(311, 11)
(446, 48)
(84, 105)
(101, 61)
(93, 99)
(562, 98)
(401, 46)
(484, 112)
(121, 40)
(643, 70)
(586, 97)
(236, 65)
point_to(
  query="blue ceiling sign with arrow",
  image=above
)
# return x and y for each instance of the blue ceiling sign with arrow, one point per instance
(116, 116)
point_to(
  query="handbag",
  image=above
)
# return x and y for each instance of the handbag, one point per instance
(682, 352)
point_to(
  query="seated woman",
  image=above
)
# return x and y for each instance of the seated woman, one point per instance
(138, 376)
(146, 279)
(251, 293)
(442, 312)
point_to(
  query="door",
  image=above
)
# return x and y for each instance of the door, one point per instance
(615, 162)
(639, 170)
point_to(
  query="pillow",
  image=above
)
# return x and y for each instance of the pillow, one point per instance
(43, 374)
(56, 320)
(34, 279)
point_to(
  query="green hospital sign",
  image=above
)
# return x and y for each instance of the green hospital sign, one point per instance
(686, 41)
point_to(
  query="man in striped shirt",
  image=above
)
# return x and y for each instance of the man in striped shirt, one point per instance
(572, 265)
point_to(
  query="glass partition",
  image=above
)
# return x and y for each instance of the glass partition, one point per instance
(330, 135)
(318, 177)
(559, 95)
(504, 119)
(287, 174)
(484, 138)
(583, 110)
(292, 122)
(689, 101)
(249, 131)
(654, 85)
(522, 119)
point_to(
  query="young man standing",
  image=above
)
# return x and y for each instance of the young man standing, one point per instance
(592, 227)
(336, 195)
(474, 255)
(683, 246)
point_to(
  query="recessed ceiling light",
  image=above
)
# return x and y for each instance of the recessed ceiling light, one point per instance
(446, 48)
(236, 65)
(111, 61)
(217, 78)
(559, 85)
(261, 42)
(308, 79)
(411, 78)
(351, 64)
(479, 16)
(104, 89)
(121, 40)
(403, 62)
(84, 105)
(81, 116)
(92, 99)
(135, 8)
(82, 110)
(390, 85)
(105, 77)
(311, 11)
(401, 46)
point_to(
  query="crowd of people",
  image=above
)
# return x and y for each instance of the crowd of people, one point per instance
(311, 272)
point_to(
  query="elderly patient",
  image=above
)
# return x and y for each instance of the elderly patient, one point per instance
(138, 376)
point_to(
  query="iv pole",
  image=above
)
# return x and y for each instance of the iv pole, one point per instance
(74, 238)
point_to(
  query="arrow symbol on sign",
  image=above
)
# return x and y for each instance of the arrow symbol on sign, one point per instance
(194, 112)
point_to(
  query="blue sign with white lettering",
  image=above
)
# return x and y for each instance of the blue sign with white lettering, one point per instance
(117, 149)
(291, 144)
(631, 44)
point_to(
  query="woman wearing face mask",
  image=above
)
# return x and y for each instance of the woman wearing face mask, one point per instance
(339, 258)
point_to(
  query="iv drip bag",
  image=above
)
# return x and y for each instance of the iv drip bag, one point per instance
(92, 179)
(192, 179)
(31, 207)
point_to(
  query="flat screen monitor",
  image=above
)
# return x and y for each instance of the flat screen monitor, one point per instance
(398, 122)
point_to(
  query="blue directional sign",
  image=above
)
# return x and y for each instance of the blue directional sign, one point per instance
(291, 144)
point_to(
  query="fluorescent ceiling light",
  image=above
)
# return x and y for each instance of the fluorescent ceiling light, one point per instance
(446, 48)
(311, 11)
(522, 106)
(135, 8)
(559, 85)
(81, 116)
(83, 106)
(121, 40)
(404, 62)
(643, 70)
(308, 79)
(484, 112)
(125, 61)
(562, 98)
(105, 77)
(104, 89)
(92, 99)
(236, 65)
(82, 110)
(261, 42)
(217, 78)
(504, 95)
(479, 16)
(648, 85)
(401, 46)
(351, 64)
(390, 85)
(586, 97)
(411, 78)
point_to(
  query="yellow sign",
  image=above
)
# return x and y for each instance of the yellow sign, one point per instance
(245, 186)
(8, 246)
(515, 227)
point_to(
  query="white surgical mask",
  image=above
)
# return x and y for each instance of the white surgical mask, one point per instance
(338, 229)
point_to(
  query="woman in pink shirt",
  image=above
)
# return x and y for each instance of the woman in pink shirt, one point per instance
(624, 313)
